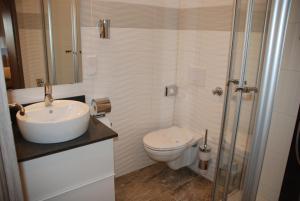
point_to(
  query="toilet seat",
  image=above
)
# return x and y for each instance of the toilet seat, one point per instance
(172, 138)
(178, 147)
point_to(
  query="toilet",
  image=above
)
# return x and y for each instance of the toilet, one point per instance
(176, 146)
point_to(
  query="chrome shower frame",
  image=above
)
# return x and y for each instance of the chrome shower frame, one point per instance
(272, 50)
(273, 54)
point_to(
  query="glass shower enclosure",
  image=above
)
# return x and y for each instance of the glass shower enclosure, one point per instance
(247, 62)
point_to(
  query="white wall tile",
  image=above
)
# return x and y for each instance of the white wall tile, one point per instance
(28, 6)
(288, 94)
(196, 108)
(132, 69)
(295, 14)
(162, 3)
(291, 58)
(204, 3)
(281, 132)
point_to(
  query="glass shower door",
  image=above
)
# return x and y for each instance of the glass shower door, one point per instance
(242, 85)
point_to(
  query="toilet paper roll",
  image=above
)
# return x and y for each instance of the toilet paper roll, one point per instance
(100, 106)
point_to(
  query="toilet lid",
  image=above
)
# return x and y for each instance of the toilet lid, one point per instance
(168, 139)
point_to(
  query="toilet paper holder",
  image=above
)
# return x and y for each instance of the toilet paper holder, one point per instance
(100, 106)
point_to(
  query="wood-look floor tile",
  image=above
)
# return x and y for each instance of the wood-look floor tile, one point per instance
(159, 183)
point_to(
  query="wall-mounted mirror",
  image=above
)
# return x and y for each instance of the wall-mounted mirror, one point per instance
(46, 41)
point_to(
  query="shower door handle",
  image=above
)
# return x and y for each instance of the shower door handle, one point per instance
(246, 89)
(235, 82)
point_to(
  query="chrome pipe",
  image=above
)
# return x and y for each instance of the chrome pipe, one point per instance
(269, 80)
(248, 28)
(51, 45)
(257, 83)
(48, 99)
(74, 40)
(227, 95)
(45, 41)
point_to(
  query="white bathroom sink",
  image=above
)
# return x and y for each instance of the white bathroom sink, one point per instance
(62, 121)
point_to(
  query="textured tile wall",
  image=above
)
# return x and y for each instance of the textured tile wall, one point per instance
(203, 53)
(132, 68)
(153, 44)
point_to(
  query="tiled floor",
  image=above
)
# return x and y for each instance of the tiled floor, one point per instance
(159, 183)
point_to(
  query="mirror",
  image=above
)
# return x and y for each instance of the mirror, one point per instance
(47, 36)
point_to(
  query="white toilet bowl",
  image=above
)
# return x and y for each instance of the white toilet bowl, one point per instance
(175, 146)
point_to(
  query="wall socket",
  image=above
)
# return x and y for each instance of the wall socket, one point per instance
(171, 90)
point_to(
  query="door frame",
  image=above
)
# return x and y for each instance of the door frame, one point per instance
(10, 186)
(9, 30)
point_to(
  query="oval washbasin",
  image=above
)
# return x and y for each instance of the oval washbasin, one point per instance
(62, 121)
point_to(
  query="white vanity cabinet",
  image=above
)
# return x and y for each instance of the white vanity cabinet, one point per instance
(85, 173)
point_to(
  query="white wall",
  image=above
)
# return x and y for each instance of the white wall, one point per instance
(285, 113)
(153, 44)
(132, 69)
(172, 41)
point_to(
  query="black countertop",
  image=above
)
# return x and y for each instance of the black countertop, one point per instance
(26, 150)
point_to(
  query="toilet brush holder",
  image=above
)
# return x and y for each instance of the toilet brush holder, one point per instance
(204, 157)
(204, 154)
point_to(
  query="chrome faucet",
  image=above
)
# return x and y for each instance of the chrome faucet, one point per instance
(19, 107)
(48, 94)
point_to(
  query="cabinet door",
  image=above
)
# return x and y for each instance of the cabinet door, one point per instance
(84, 170)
